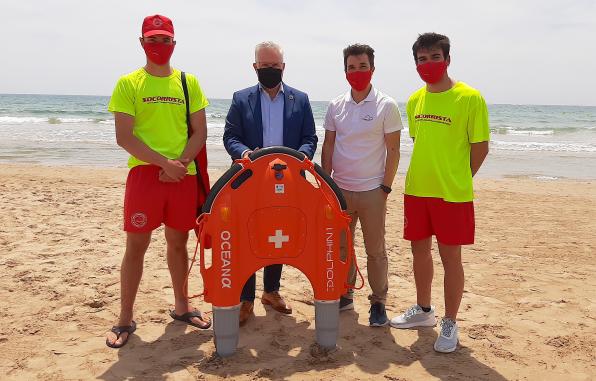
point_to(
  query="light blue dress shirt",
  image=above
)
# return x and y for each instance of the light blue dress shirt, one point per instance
(272, 113)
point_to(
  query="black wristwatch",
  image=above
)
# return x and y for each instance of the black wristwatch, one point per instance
(385, 188)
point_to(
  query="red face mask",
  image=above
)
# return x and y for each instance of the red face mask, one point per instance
(359, 80)
(432, 72)
(158, 53)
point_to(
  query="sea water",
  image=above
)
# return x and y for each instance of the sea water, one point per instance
(527, 140)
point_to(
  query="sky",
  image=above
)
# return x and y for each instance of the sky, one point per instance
(514, 52)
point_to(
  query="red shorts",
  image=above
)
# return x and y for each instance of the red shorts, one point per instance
(451, 222)
(149, 202)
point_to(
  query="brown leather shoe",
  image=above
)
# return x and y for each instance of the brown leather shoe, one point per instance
(246, 311)
(275, 300)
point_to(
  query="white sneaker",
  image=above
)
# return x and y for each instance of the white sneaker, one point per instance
(448, 338)
(415, 317)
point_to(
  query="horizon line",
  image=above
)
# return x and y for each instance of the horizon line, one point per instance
(312, 100)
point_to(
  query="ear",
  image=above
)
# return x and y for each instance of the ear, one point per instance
(448, 60)
(283, 67)
(254, 66)
(141, 41)
(372, 70)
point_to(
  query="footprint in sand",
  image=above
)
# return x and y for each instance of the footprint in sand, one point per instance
(486, 331)
(570, 344)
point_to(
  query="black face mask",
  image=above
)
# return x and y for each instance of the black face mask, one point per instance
(269, 76)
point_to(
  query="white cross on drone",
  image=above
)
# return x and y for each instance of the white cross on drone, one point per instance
(278, 239)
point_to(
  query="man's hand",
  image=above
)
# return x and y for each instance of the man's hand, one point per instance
(248, 152)
(167, 179)
(173, 171)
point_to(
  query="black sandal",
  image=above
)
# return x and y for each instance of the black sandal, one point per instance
(186, 318)
(119, 330)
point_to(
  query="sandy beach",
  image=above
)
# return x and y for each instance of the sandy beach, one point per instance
(528, 312)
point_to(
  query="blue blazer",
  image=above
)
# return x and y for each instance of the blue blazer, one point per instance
(244, 125)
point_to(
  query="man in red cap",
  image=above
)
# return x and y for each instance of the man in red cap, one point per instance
(150, 112)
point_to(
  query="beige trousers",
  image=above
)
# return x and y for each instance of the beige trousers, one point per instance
(370, 207)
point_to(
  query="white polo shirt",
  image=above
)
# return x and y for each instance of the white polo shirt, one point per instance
(359, 154)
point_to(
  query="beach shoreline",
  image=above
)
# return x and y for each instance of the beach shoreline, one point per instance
(537, 141)
(498, 165)
(527, 312)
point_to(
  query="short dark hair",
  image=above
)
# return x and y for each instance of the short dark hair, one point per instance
(356, 50)
(430, 41)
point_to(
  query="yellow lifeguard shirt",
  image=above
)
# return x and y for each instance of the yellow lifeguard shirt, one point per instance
(443, 126)
(159, 109)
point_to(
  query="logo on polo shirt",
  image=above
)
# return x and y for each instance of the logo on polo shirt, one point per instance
(367, 117)
(433, 118)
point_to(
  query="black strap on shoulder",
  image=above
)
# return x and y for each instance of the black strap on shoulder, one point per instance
(185, 89)
(189, 129)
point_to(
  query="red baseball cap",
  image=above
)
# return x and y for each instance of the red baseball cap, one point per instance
(157, 24)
